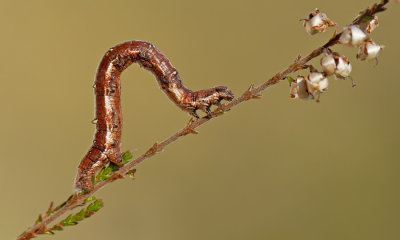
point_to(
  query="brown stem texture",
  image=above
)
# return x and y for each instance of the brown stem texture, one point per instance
(107, 141)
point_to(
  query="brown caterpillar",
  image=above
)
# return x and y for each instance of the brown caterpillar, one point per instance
(107, 140)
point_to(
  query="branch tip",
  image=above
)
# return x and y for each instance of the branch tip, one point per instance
(152, 150)
(189, 130)
(248, 94)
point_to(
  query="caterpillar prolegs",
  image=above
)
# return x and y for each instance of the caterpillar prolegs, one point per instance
(107, 140)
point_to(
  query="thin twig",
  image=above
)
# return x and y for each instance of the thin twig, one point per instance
(253, 92)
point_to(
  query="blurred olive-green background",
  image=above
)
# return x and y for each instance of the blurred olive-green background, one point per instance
(274, 168)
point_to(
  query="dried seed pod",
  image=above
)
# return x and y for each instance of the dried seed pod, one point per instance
(343, 68)
(317, 22)
(334, 63)
(352, 36)
(328, 63)
(298, 89)
(369, 26)
(369, 50)
(317, 82)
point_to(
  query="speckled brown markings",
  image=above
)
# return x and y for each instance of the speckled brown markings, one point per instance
(107, 141)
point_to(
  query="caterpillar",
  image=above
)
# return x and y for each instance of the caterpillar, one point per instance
(106, 145)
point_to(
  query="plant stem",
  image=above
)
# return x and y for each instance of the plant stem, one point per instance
(253, 92)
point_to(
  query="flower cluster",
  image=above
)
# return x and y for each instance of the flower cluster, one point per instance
(309, 87)
(317, 22)
(333, 63)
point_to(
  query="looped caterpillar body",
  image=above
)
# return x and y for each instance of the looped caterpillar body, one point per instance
(107, 140)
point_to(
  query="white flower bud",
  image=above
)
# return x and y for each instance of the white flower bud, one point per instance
(328, 64)
(343, 68)
(369, 26)
(317, 22)
(316, 82)
(333, 63)
(369, 50)
(293, 89)
(352, 35)
(299, 89)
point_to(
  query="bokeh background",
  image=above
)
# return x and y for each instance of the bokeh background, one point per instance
(274, 168)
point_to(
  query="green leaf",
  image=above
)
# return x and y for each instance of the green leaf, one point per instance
(68, 221)
(57, 228)
(89, 199)
(62, 204)
(65, 221)
(83, 192)
(50, 209)
(39, 219)
(107, 171)
(72, 220)
(101, 172)
(114, 167)
(101, 175)
(366, 18)
(126, 156)
(66, 224)
(79, 216)
(95, 206)
(290, 79)
(131, 173)
(100, 178)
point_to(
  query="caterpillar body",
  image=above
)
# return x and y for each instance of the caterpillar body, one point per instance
(107, 140)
